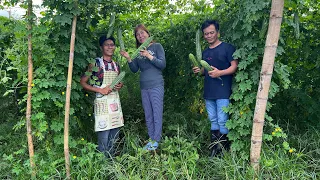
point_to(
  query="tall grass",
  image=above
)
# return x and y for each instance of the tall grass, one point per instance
(182, 154)
(179, 158)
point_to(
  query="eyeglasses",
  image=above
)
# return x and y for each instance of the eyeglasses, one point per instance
(109, 45)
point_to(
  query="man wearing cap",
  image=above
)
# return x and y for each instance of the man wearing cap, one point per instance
(107, 107)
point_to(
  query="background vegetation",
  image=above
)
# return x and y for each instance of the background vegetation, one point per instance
(291, 148)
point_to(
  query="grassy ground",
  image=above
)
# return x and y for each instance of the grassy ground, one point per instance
(178, 158)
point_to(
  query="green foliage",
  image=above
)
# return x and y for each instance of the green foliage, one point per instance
(304, 63)
(178, 158)
(293, 98)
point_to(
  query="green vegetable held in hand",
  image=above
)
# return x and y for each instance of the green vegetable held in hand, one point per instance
(110, 31)
(193, 60)
(111, 23)
(117, 80)
(120, 39)
(208, 68)
(142, 46)
(198, 46)
(112, 19)
(206, 65)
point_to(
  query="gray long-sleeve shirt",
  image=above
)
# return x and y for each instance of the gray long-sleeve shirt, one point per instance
(151, 70)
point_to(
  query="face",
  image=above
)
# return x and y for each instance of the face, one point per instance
(210, 34)
(141, 35)
(108, 47)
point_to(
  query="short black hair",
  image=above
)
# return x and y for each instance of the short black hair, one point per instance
(207, 23)
(103, 38)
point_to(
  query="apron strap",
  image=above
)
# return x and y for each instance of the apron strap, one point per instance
(102, 65)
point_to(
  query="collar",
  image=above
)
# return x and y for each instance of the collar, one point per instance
(107, 61)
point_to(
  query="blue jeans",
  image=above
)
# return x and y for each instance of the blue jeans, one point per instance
(106, 141)
(217, 116)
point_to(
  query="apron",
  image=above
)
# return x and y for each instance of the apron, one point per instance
(107, 108)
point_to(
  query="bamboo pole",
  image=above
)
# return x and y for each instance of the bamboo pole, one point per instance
(265, 80)
(68, 93)
(30, 78)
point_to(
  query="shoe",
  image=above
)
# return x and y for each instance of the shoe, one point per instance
(225, 142)
(153, 146)
(214, 146)
(147, 146)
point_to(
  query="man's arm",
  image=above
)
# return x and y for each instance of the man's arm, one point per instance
(231, 70)
(84, 83)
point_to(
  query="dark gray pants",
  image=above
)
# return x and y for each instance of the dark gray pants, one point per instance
(152, 101)
(106, 140)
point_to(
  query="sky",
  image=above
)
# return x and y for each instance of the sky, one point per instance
(17, 12)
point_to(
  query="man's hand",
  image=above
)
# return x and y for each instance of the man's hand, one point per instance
(105, 90)
(215, 72)
(196, 69)
(118, 86)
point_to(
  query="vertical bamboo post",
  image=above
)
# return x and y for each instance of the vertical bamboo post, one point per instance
(30, 78)
(68, 93)
(265, 80)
